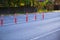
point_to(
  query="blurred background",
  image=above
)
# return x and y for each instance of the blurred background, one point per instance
(23, 6)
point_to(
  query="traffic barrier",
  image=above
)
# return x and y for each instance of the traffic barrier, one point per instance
(15, 19)
(27, 17)
(35, 17)
(43, 16)
(2, 21)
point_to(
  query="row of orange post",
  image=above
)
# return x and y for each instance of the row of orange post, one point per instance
(15, 19)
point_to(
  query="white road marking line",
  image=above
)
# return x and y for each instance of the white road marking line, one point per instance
(44, 35)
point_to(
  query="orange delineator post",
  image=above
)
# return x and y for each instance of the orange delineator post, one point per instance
(27, 17)
(1, 22)
(15, 19)
(35, 17)
(42, 16)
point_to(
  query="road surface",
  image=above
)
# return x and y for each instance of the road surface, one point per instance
(47, 29)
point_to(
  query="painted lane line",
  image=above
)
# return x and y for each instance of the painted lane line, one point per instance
(44, 35)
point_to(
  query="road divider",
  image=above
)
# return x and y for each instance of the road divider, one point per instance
(35, 17)
(2, 20)
(15, 19)
(26, 16)
(43, 16)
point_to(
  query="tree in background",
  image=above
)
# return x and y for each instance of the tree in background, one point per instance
(13, 3)
(4, 3)
(50, 5)
(40, 5)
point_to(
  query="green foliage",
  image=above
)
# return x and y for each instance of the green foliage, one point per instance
(49, 2)
(13, 3)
